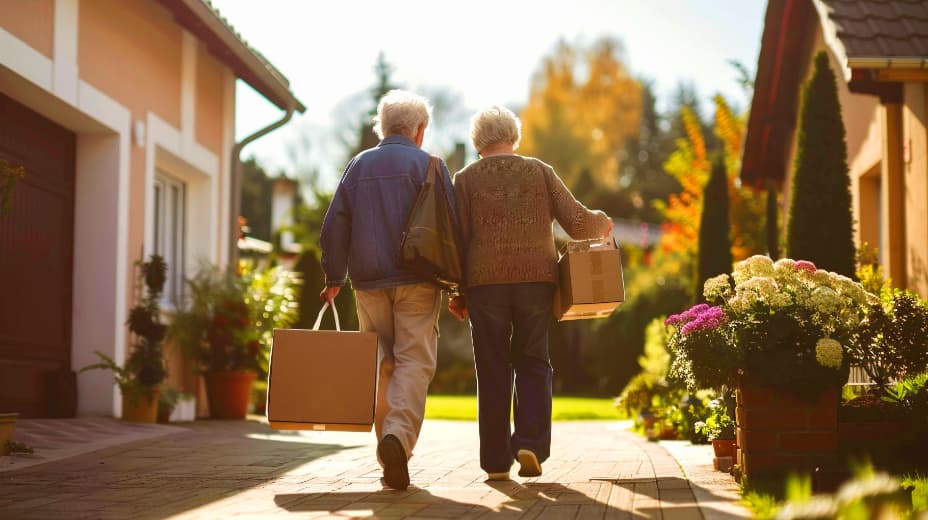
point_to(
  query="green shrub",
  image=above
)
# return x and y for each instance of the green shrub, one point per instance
(821, 227)
(714, 255)
(893, 338)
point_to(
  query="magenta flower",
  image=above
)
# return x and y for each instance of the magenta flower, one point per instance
(686, 316)
(805, 265)
(710, 318)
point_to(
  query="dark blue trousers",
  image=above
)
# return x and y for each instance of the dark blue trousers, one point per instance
(509, 329)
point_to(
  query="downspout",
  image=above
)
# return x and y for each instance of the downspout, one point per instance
(235, 184)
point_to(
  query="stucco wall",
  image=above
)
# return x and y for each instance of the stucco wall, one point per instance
(915, 171)
(210, 90)
(130, 49)
(32, 21)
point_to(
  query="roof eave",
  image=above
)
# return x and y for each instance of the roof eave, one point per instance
(832, 41)
(198, 18)
(888, 62)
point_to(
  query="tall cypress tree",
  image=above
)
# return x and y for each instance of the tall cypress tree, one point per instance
(714, 257)
(821, 226)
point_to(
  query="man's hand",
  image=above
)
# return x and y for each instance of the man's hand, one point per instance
(328, 294)
(458, 308)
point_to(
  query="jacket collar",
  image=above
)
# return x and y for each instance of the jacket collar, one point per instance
(397, 139)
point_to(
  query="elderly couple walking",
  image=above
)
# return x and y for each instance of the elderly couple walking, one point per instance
(504, 205)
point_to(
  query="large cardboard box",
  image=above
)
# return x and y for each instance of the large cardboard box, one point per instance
(322, 380)
(591, 283)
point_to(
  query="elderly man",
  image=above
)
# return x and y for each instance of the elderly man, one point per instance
(360, 238)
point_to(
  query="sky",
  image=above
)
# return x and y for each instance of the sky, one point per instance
(480, 51)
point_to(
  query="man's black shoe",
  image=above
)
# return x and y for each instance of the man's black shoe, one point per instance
(393, 456)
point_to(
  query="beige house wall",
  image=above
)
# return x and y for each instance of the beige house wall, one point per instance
(142, 94)
(31, 21)
(209, 94)
(130, 50)
(915, 171)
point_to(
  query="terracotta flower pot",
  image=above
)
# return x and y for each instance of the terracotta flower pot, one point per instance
(142, 409)
(7, 425)
(724, 447)
(228, 393)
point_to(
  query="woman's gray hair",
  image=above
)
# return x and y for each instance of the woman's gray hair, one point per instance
(401, 112)
(495, 124)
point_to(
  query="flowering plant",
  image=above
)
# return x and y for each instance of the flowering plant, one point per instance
(228, 322)
(718, 425)
(782, 324)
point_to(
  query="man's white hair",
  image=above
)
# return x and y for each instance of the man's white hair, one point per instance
(495, 124)
(401, 112)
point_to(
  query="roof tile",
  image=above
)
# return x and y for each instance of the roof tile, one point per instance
(884, 28)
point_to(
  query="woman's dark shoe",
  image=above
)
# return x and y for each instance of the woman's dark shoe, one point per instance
(395, 471)
(529, 462)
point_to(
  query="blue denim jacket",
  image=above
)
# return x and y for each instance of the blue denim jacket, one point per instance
(364, 225)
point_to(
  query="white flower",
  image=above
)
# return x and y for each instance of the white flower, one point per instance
(784, 265)
(761, 289)
(828, 353)
(825, 300)
(717, 287)
(757, 265)
(820, 277)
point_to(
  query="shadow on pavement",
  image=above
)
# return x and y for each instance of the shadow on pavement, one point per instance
(157, 478)
(541, 498)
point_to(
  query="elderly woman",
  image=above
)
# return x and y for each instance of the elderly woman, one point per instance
(506, 206)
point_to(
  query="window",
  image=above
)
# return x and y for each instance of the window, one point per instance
(170, 233)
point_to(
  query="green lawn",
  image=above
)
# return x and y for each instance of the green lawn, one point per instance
(464, 408)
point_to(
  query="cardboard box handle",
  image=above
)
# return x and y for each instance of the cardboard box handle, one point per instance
(582, 246)
(325, 306)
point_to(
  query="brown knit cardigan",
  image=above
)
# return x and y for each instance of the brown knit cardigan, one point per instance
(506, 206)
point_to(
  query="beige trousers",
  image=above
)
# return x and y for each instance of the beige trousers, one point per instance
(405, 319)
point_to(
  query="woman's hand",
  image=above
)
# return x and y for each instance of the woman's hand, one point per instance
(457, 306)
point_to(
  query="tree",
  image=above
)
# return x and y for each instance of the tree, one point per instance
(821, 227)
(256, 199)
(747, 205)
(578, 122)
(714, 257)
(643, 173)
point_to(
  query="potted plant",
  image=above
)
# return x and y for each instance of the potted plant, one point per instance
(227, 327)
(144, 370)
(780, 332)
(166, 403)
(719, 428)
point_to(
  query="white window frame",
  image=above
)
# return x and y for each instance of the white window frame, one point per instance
(170, 233)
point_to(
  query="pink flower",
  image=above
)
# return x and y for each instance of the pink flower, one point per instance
(709, 319)
(687, 316)
(805, 265)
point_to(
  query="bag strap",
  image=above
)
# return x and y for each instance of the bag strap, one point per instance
(431, 174)
(325, 306)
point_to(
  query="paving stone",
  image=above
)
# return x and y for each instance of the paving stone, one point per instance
(243, 469)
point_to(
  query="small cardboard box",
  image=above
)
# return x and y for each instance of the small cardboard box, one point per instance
(591, 280)
(322, 380)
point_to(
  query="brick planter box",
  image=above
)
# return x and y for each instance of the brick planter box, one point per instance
(777, 433)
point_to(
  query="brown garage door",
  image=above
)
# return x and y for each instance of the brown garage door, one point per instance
(36, 249)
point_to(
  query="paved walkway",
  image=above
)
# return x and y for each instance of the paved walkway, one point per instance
(242, 469)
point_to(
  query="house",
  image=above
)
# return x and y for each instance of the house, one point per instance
(879, 52)
(122, 114)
